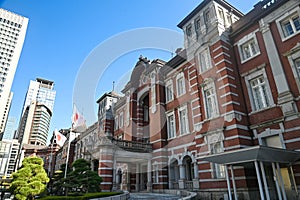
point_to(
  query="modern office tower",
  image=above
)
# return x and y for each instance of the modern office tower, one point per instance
(8, 157)
(34, 125)
(10, 128)
(42, 91)
(37, 112)
(5, 113)
(12, 35)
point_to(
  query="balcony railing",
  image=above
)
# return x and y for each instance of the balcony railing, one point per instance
(133, 146)
(188, 185)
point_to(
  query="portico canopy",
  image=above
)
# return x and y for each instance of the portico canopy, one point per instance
(256, 153)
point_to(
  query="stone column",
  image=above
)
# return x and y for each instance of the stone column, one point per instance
(196, 178)
(182, 176)
(114, 188)
(285, 97)
(149, 177)
(137, 178)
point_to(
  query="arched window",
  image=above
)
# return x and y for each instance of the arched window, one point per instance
(188, 166)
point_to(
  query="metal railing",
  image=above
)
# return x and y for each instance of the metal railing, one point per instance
(188, 185)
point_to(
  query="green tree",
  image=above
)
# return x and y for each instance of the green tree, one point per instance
(82, 178)
(30, 180)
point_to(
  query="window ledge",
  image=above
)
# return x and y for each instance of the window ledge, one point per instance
(263, 109)
(246, 60)
(289, 37)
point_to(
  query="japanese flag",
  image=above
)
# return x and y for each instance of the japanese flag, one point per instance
(60, 138)
(78, 122)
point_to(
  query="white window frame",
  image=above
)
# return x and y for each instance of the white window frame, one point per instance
(248, 79)
(218, 169)
(169, 91)
(293, 59)
(116, 123)
(121, 119)
(184, 121)
(248, 39)
(180, 89)
(171, 135)
(204, 60)
(209, 85)
(288, 17)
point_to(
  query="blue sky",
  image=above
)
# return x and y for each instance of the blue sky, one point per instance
(62, 34)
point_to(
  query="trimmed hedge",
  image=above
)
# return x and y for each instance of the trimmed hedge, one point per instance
(83, 197)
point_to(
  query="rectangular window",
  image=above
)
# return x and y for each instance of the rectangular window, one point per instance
(116, 123)
(169, 92)
(210, 102)
(249, 49)
(121, 119)
(297, 63)
(189, 30)
(221, 15)
(290, 25)
(205, 62)
(197, 23)
(171, 126)
(207, 17)
(183, 121)
(180, 86)
(259, 93)
(219, 170)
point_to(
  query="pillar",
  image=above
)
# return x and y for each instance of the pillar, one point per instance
(181, 176)
(262, 196)
(196, 178)
(149, 176)
(137, 177)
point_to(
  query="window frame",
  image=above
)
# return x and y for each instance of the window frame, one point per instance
(185, 122)
(169, 125)
(287, 17)
(169, 92)
(218, 170)
(178, 77)
(293, 58)
(209, 85)
(247, 40)
(248, 79)
(206, 63)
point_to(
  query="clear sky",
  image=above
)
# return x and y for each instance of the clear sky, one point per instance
(62, 34)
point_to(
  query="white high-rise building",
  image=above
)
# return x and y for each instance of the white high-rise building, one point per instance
(12, 35)
(8, 157)
(42, 91)
(37, 111)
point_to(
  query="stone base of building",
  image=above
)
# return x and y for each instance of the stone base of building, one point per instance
(222, 194)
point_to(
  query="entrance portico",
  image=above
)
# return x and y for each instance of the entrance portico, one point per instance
(273, 167)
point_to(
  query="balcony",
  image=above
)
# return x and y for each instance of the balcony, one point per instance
(133, 146)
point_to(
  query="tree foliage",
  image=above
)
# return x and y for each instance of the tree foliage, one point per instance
(82, 178)
(30, 180)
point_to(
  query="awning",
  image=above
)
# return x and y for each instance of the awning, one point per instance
(256, 153)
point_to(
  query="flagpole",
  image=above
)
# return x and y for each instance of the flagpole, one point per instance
(51, 154)
(68, 152)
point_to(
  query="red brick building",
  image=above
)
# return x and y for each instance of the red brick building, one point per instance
(220, 118)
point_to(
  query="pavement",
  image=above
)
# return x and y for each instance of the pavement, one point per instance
(153, 196)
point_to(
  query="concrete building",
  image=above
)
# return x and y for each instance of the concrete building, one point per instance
(221, 118)
(37, 111)
(12, 35)
(8, 157)
(10, 128)
(34, 124)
